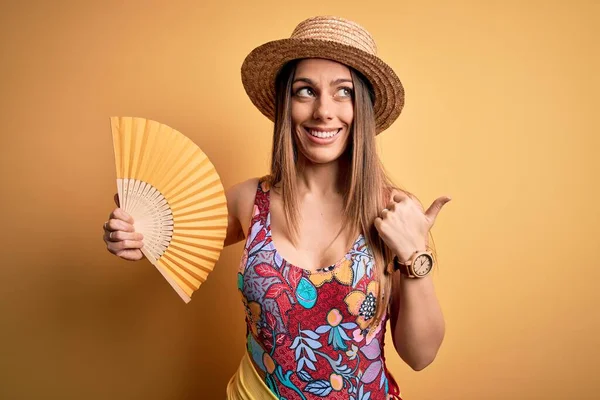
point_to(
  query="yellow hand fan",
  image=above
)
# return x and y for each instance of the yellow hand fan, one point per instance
(176, 198)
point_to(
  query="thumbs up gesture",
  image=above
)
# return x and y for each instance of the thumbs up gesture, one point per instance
(404, 226)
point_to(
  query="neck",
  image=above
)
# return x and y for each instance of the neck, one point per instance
(322, 180)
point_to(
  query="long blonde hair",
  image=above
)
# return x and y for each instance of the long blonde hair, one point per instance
(367, 186)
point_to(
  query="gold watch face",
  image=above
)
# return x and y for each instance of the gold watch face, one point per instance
(422, 265)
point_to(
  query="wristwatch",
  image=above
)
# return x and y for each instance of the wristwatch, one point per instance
(419, 265)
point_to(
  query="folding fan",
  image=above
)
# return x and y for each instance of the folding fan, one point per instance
(175, 196)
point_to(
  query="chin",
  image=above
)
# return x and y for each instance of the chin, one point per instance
(323, 156)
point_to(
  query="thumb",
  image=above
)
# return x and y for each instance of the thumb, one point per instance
(433, 210)
(117, 199)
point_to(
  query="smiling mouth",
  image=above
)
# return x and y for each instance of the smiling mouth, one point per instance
(322, 134)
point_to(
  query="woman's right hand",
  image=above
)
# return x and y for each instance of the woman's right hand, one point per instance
(120, 236)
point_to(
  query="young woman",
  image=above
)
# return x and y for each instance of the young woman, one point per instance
(333, 250)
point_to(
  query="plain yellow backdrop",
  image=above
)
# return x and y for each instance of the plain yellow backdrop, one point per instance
(501, 115)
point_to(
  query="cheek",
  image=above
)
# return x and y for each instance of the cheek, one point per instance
(300, 112)
(347, 114)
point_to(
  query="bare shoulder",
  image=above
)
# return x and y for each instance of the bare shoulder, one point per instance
(243, 193)
(240, 204)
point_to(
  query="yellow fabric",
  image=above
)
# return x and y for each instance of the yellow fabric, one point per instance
(246, 384)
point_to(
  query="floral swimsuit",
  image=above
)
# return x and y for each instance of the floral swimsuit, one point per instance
(306, 330)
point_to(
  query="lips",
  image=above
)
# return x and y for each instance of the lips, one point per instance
(322, 135)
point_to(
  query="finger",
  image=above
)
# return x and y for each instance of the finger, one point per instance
(378, 222)
(118, 213)
(383, 213)
(130, 255)
(435, 207)
(116, 198)
(392, 206)
(127, 244)
(400, 196)
(117, 236)
(118, 225)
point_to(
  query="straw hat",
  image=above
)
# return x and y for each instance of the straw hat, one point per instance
(331, 38)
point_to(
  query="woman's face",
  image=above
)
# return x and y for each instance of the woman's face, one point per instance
(322, 109)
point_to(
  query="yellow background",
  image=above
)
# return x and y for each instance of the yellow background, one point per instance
(501, 114)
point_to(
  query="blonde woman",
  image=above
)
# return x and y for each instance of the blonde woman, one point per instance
(333, 249)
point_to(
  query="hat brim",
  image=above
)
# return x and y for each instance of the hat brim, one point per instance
(261, 66)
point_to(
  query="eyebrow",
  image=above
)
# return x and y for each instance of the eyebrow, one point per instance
(334, 82)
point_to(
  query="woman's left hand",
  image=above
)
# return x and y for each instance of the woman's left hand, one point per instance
(404, 226)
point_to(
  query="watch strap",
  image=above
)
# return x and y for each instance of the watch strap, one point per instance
(404, 268)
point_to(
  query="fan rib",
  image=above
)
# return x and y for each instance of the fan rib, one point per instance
(204, 237)
(173, 164)
(209, 197)
(192, 184)
(183, 162)
(186, 178)
(199, 219)
(173, 281)
(179, 275)
(213, 207)
(203, 228)
(171, 258)
(191, 253)
(198, 246)
(141, 149)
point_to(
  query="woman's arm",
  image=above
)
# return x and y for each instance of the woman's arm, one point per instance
(415, 315)
(240, 204)
(416, 320)
(235, 232)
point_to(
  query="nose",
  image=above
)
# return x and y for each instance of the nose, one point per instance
(323, 109)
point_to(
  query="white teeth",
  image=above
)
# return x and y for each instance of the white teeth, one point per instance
(323, 135)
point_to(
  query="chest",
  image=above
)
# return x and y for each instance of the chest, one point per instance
(321, 239)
